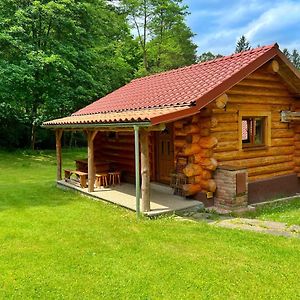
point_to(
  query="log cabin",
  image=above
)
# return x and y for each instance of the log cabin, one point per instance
(225, 132)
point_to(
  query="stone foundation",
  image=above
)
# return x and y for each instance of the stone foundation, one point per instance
(232, 188)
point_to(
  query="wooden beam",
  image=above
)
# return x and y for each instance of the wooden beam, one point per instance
(145, 170)
(58, 135)
(159, 127)
(91, 170)
(273, 66)
(222, 101)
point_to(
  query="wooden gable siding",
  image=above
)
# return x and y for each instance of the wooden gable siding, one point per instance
(119, 152)
(263, 93)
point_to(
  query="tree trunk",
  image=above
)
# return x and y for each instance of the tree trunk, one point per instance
(71, 139)
(33, 136)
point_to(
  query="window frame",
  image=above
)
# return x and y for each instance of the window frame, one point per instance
(266, 129)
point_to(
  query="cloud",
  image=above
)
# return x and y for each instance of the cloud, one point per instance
(275, 19)
(218, 24)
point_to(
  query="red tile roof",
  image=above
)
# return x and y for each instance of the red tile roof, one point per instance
(173, 94)
(182, 86)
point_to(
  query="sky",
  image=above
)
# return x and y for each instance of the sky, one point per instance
(219, 24)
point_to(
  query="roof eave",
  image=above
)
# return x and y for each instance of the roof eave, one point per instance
(97, 125)
(177, 115)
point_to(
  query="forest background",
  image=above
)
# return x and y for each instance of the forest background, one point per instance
(58, 56)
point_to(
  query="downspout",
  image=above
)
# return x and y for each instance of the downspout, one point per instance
(137, 169)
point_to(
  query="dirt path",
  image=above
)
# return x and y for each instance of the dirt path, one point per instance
(269, 227)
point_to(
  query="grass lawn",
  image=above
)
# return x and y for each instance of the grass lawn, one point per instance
(57, 244)
(287, 212)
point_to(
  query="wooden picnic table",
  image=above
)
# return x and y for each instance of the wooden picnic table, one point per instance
(100, 166)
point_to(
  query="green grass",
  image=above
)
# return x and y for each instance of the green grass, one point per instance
(285, 211)
(57, 244)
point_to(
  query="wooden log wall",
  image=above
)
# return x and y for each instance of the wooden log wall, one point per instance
(261, 91)
(120, 152)
(296, 128)
(192, 139)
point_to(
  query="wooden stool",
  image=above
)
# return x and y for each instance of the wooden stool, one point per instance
(101, 179)
(114, 177)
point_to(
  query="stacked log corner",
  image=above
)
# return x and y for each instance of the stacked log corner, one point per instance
(192, 139)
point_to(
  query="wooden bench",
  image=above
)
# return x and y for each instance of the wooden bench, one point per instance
(82, 176)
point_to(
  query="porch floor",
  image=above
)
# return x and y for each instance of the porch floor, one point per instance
(162, 201)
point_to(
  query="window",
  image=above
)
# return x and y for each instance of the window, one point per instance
(254, 129)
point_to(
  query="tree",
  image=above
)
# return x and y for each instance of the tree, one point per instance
(286, 53)
(294, 57)
(207, 56)
(164, 38)
(57, 56)
(242, 45)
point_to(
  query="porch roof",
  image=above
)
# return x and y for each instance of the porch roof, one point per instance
(145, 116)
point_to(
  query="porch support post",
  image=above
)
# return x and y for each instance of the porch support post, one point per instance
(91, 170)
(58, 135)
(137, 169)
(145, 171)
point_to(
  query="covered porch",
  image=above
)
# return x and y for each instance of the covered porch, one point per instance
(162, 200)
(131, 150)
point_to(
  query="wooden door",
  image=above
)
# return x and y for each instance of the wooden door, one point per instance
(165, 154)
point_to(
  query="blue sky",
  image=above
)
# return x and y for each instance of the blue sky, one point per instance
(218, 24)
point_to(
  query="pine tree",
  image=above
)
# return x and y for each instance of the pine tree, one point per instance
(242, 45)
(286, 52)
(295, 58)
